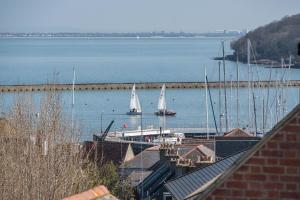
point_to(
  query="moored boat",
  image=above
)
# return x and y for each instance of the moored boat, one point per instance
(162, 106)
(135, 106)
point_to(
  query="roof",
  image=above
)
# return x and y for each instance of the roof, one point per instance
(237, 132)
(136, 177)
(184, 186)
(97, 193)
(106, 151)
(197, 151)
(144, 160)
(276, 129)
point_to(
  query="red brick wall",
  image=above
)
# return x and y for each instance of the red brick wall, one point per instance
(272, 173)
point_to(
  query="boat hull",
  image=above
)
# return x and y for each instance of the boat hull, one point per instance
(133, 113)
(165, 113)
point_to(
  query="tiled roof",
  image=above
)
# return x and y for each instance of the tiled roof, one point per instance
(186, 185)
(97, 193)
(237, 132)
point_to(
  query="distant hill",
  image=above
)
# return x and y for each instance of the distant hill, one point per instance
(272, 41)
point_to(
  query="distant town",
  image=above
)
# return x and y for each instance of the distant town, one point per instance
(217, 33)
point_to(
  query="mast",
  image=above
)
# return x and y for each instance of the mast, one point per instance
(212, 106)
(220, 100)
(249, 85)
(237, 92)
(206, 105)
(73, 100)
(230, 106)
(254, 109)
(226, 114)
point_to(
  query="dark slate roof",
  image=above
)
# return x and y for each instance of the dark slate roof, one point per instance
(144, 160)
(186, 185)
(225, 148)
(137, 177)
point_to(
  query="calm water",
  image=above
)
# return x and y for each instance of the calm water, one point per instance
(24, 61)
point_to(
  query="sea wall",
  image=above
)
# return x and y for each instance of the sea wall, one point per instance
(144, 85)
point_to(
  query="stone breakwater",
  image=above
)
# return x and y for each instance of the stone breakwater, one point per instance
(143, 85)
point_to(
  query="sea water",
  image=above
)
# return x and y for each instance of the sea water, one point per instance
(110, 60)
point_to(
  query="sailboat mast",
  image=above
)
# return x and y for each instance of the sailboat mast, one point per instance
(206, 105)
(237, 92)
(225, 95)
(73, 99)
(220, 100)
(249, 85)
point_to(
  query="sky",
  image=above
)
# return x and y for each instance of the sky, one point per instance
(140, 15)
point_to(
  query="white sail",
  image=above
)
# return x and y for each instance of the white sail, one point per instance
(162, 99)
(138, 105)
(134, 101)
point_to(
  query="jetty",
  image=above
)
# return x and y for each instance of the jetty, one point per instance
(144, 85)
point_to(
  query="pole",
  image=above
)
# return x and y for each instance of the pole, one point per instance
(73, 100)
(212, 107)
(226, 114)
(220, 100)
(249, 85)
(254, 114)
(206, 105)
(237, 92)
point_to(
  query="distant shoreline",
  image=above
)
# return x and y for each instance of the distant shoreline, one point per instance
(106, 37)
(137, 35)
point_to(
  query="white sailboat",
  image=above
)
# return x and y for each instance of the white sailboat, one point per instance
(162, 106)
(135, 106)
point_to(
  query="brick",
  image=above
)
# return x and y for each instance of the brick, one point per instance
(291, 187)
(272, 153)
(255, 169)
(244, 169)
(254, 185)
(238, 193)
(292, 128)
(273, 178)
(272, 161)
(273, 186)
(291, 170)
(272, 145)
(290, 154)
(289, 162)
(237, 176)
(273, 194)
(291, 195)
(278, 137)
(290, 179)
(273, 170)
(253, 193)
(222, 192)
(255, 177)
(290, 145)
(291, 137)
(237, 185)
(256, 161)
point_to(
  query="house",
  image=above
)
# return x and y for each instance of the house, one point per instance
(185, 186)
(269, 170)
(96, 193)
(148, 171)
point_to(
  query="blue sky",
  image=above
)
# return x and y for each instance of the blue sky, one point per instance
(140, 15)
